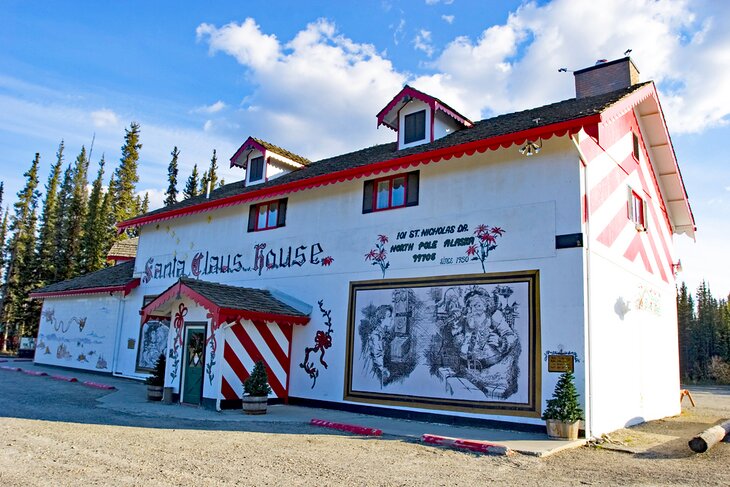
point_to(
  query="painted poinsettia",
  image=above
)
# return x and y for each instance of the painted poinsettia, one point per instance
(379, 255)
(486, 242)
(327, 261)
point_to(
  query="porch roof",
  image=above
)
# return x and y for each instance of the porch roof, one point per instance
(227, 303)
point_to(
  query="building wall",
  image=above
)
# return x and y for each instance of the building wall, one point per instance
(531, 199)
(632, 307)
(78, 332)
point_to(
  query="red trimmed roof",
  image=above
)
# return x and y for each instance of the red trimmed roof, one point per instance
(556, 119)
(252, 143)
(112, 279)
(229, 303)
(388, 116)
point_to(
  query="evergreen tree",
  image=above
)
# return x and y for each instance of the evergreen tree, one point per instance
(191, 187)
(171, 193)
(94, 244)
(107, 230)
(61, 258)
(203, 183)
(3, 239)
(222, 183)
(2, 190)
(17, 311)
(49, 224)
(686, 324)
(126, 206)
(145, 205)
(76, 217)
(213, 171)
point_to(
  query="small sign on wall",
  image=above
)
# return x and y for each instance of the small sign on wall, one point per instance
(130, 343)
(560, 362)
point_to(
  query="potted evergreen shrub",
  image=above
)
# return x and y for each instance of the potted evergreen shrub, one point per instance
(156, 381)
(563, 412)
(256, 390)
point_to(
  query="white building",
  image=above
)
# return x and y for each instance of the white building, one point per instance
(454, 271)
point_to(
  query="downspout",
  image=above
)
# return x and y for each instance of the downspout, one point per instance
(587, 276)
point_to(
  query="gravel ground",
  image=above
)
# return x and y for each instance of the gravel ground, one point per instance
(54, 434)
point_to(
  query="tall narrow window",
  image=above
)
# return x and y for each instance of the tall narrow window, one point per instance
(256, 169)
(637, 210)
(265, 216)
(636, 147)
(415, 127)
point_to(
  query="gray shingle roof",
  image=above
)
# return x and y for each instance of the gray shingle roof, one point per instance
(240, 298)
(492, 127)
(283, 152)
(124, 248)
(115, 276)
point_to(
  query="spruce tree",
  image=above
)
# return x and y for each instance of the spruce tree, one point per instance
(49, 227)
(93, 255)
(61, 257)
(3, 239)
(126, 206)
(76, 218)
(171, 193)
(17, 310)
(213, 171)
(564, 405)
(191, 186)
(144, 207)
(686, 325)
(203, 183)
(107, 229)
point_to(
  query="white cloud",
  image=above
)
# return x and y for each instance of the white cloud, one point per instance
(434, 2)
(316, 94)
(214, 108)
(449, 19)
(104, 118)
(398, 31)
(682, 46)
(422, 42)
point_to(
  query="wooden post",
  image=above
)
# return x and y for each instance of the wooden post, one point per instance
(710, 437)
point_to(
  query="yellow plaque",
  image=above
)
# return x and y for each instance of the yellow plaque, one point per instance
(560, 363)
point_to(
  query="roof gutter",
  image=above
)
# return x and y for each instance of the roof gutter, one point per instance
(493, 143)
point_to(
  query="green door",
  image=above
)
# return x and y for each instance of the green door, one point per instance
(193, 360)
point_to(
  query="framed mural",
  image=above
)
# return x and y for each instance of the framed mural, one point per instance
(152, 340)
(467, 342)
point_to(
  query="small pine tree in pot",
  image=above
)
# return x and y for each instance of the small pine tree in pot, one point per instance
(156, 381)
(256, 390)
(563, 412)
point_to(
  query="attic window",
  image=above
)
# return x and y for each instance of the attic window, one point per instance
(256, 169)
(415, 127)
(637, 210)
(636, 147)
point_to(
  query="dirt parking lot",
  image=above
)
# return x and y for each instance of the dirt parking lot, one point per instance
(55, 434)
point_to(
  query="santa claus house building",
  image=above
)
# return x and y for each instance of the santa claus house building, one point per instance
(456, 271)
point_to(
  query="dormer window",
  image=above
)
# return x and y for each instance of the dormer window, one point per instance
(415, 127)
(264, 161)
(419, 118)
(256, 169)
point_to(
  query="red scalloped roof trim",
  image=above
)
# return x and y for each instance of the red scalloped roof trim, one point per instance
(502, 141)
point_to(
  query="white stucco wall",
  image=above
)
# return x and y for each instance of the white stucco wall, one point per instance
(532, 199)
(78, 332)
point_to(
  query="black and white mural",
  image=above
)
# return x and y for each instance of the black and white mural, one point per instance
(152, 343)
(467, 340)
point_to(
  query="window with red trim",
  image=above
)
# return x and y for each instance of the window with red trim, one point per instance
(637, 210)
(395, 191)
(268, 215)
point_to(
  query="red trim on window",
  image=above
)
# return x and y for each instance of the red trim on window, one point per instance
(428, 99)
(268, 215)
(126, 289)
(493, 143)
(390, 180)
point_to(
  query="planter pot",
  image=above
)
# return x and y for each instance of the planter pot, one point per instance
(255, 404)
(562, 430)
(154, 393)
(167, 393)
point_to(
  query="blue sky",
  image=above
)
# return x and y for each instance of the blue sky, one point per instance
(311, 76)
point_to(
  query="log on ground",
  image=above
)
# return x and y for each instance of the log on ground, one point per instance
(710, 437)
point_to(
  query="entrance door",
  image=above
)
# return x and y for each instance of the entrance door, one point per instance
(193, 364)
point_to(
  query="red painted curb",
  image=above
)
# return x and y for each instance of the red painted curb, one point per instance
(35, 373)
(471, 445)
(64, 378)
(13, 369)
(98, 385)
(350, 428)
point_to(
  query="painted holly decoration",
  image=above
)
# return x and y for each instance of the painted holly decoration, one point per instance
(486, 241)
